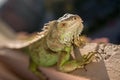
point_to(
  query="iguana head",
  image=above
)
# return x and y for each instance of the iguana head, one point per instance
(69, 26)
(62, 31)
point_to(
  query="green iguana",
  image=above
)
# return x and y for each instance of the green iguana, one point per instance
(54, 45)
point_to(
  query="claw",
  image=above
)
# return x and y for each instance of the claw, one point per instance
(88, 58)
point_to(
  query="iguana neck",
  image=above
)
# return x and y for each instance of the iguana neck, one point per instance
(53, 42)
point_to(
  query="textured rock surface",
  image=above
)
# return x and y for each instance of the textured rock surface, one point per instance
(111, 55)
(113, 67)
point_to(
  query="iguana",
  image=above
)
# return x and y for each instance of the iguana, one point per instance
(54, 44)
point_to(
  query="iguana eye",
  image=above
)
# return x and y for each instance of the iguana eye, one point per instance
(74, 18)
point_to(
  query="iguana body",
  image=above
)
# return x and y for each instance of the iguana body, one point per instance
(55, 46)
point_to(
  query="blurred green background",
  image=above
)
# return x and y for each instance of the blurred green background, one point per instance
(101, 17)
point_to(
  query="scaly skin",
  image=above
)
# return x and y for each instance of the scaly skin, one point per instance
(56, 45)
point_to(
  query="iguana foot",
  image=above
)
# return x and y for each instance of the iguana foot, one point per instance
(86, 59)
(89, 57)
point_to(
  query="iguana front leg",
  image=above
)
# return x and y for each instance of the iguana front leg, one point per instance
(67, 65)
(64, 64)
